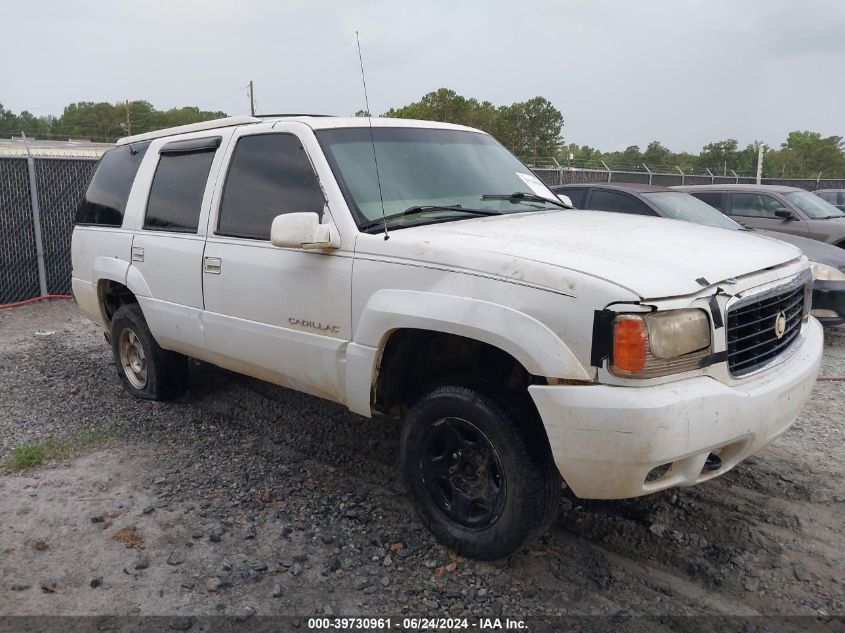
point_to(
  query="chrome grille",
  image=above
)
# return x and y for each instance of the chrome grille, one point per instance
(753, 338)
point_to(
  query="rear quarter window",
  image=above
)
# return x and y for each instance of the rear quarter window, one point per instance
(105, 199)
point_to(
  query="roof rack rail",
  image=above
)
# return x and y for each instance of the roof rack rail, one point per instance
(287, 114)
(191, 127)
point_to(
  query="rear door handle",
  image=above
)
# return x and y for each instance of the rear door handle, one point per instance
(212, 265)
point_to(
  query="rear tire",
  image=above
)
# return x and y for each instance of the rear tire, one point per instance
(145, 369)
(482, 479)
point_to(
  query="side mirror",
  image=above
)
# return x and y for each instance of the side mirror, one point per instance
(785, 214)
(301, 230)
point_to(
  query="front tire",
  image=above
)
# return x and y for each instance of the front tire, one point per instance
(145, 369)
(482, 479)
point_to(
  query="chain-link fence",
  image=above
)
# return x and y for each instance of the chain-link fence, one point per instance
(565, 176)
(38, 198)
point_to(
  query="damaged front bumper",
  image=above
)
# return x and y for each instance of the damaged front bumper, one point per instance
(607, 440)
(829, 302)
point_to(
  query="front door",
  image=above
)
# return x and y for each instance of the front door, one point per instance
(280, 314)
(757, 210)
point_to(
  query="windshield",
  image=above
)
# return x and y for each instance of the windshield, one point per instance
(812, 205)
(682, 206)
(420, 167)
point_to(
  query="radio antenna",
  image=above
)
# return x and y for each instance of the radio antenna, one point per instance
(372, 140)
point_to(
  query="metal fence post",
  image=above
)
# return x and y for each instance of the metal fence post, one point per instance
(649, 172)
(36, 217)
(735, 176)
(712, 178)
(680, 171)
(607, 169)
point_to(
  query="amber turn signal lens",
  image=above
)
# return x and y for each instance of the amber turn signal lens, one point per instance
(629, 343)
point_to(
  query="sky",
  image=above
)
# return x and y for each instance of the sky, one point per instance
(683, 72)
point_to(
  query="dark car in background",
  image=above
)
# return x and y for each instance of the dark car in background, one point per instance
(776, 208)
(827, 261)
(836, 197)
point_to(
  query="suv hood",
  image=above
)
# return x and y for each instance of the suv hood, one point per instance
(651, 257)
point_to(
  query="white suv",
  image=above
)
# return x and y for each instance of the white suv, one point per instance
(418, 269)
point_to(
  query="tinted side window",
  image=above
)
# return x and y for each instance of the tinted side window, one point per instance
(176, 193)
(578, 195)
(755, 205)
(604, 200)
(713, 198)
(105, 200)
(270, 175)
(829, 196)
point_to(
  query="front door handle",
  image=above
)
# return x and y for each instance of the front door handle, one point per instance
(212, 265)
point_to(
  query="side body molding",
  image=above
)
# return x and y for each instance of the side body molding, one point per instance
(529, 341)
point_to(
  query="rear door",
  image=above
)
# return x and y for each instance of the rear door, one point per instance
(757, 210)
(168, 245)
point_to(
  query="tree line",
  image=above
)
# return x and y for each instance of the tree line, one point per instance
(804, 154)
(103, 122)
(531, 129)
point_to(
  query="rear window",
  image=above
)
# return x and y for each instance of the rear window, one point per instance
(177, 190)
(105, 200)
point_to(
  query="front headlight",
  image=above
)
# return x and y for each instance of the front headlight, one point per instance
(659, 343)
(823, 272)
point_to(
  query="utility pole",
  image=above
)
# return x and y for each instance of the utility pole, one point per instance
(251, 99)
(128, 119)
(759, 162)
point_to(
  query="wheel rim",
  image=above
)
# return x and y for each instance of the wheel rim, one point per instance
(463, 473)
(133, 359)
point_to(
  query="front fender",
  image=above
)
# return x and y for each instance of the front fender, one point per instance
(529, 341)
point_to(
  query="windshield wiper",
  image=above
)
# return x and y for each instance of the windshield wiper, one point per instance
(524, 195)
(423, 208)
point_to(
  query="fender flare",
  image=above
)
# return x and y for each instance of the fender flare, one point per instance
(530, 342)
(123, 273)
(136, 283)
(111, 268)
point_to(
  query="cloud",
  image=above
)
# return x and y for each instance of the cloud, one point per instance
(684, 72)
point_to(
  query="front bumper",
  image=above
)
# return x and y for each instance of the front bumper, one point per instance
(829, 296)
(606, 439)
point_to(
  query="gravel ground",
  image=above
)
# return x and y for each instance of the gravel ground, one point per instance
(245, 498)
